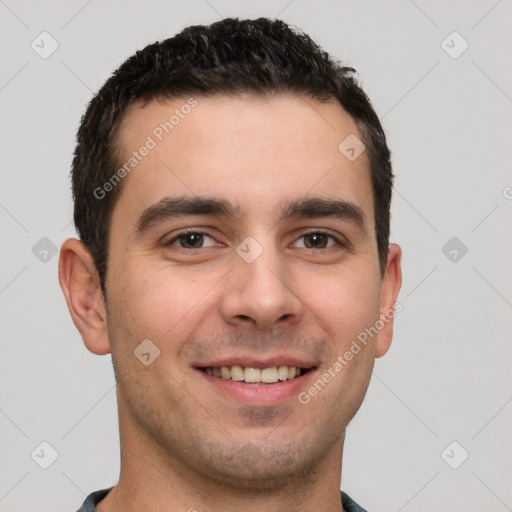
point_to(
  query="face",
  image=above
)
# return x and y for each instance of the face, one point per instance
(243, 245)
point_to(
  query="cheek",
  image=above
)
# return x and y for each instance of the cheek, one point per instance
(159, 303)
(345, 302)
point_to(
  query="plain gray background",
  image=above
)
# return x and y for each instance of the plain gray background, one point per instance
(448, 119)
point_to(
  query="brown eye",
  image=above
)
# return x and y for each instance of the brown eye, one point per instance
(318, 240)
(191, 240)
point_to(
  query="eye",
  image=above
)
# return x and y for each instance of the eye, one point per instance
(318, 240)
(192, 240)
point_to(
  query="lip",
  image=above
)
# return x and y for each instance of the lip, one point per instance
(258, 395)
(261, 363)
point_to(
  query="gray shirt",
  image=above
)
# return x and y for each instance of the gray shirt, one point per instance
(89, 505)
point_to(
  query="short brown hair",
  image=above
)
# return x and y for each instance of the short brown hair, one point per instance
(231, 56)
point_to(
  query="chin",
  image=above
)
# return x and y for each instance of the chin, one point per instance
(263, 466)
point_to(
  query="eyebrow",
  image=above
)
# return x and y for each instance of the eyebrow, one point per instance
(170, 207)
(302, 208)
(316, 207)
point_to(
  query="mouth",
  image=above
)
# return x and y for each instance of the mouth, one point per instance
(252, 375)
(259, 384)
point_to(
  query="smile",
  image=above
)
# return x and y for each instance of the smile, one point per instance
(253, 375)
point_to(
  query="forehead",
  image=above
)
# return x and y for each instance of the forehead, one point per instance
(255, 151)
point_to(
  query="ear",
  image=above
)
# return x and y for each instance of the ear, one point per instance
(79, 282)
(391, 283)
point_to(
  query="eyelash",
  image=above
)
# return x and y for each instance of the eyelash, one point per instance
(195, 232)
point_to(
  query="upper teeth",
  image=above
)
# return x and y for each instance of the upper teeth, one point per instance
(248, 374)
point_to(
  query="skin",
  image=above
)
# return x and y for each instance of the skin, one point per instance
(184, 444)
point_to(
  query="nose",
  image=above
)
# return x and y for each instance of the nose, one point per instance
(259, 294)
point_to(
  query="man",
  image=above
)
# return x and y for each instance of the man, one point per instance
(232, 188)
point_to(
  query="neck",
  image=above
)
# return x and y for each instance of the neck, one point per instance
(152, 479)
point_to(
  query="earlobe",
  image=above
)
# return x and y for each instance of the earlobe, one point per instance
(79, 282)
(391, 283)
